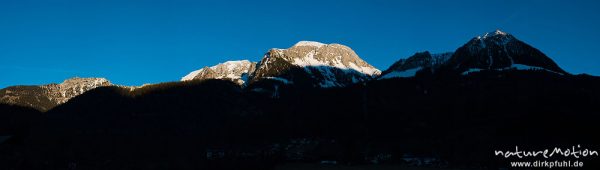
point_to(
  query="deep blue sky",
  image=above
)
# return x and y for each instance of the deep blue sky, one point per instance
(136, 42)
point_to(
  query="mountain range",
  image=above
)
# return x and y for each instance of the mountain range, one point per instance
(314, 64)
(312, 103)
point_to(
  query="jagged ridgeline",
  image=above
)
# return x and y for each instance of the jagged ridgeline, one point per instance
(309, 103)
(314, 64)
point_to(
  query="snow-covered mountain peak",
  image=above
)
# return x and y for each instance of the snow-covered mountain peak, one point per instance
(232, 66)
(310, 43)
(500, 51)
(499, 32)
(236, 62)
(331, 65)
(329, 55)
(496, 33)
(324, 62)
(236, 71)
(496, 38)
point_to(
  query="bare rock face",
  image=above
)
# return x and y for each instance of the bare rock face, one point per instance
(325, 65)
(45, 97)
(236, 71)
(61, 93)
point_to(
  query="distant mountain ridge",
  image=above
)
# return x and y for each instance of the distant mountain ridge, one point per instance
(315, 64)
(335, 65)
(417, 62)
(45, 97)
(497, 51)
